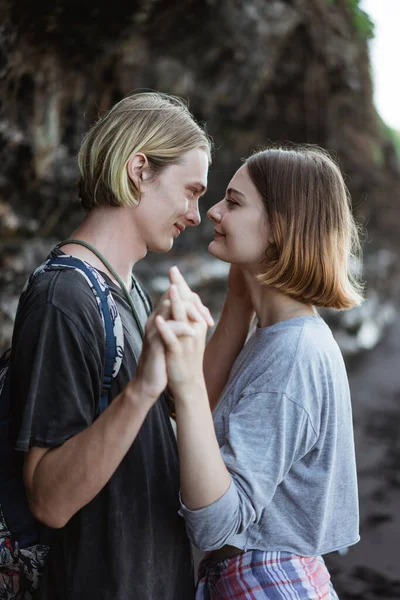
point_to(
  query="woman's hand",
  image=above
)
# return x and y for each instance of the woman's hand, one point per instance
(151, 371)
(238, 287)
(184, 352)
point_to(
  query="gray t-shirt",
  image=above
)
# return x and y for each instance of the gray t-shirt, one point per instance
(284, 427)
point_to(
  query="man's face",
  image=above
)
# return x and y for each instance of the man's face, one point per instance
(170, 202)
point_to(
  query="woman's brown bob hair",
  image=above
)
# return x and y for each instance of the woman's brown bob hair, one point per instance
(309, 211)
(158, 125)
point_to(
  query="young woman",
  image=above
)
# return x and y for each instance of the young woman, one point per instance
(268, 482)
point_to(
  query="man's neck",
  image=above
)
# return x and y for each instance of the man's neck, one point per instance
(113, 233)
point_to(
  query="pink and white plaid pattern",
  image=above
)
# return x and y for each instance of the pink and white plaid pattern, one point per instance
(258, 575)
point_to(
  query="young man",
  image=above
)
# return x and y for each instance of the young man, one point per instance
(109, 485)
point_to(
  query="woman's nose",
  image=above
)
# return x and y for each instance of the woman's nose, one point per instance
(214, 213)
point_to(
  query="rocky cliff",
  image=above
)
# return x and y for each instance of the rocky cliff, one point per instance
(253, 70)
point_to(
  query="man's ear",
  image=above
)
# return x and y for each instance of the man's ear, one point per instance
(138, 168)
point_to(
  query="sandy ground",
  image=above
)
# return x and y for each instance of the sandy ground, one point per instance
(371, 569)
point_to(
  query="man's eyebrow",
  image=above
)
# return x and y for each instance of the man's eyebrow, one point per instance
(232, 190)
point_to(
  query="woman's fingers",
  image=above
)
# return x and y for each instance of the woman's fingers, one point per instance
(180, 329)
(172, 330)
(167, 335)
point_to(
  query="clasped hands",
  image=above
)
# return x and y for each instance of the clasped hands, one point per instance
(174, 342)
(182, 329)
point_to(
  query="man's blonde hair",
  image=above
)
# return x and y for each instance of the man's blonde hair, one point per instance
(158, 125)
(314, 234)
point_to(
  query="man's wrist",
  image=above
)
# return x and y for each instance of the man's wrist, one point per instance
(138, 395)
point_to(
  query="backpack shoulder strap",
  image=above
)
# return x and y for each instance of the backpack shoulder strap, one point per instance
(114, 337)
(143, 295)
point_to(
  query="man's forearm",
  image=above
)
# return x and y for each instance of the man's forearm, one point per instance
(70, 476)
(225, 344)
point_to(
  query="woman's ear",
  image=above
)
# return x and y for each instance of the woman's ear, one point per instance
(138, 168)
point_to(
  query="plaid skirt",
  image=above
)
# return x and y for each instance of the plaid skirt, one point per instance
(257, 575)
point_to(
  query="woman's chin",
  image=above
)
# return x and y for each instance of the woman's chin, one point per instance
(217, 252)
(212, 249)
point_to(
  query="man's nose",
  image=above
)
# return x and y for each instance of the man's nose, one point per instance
(193, 216)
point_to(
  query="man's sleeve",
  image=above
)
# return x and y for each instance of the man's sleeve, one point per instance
(267, 433)
(56, 376)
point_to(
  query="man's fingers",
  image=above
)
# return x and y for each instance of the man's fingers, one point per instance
(186, 293)
(193, 313)
(178, 309)
(204, 311)
(176, 278)
(164, 309)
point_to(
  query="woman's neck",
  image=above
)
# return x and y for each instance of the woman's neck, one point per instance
(273, 306)
(113, 233)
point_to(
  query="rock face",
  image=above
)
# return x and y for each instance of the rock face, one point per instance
(254, 70)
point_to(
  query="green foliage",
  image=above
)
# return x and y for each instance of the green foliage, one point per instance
(362, 22)
(377, 154)
(395, 138)
(389, 133)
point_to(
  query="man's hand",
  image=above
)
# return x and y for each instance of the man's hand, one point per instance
(187, 296)
(184, 353)
(151, 373)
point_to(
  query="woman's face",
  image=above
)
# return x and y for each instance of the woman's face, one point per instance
(241, 228)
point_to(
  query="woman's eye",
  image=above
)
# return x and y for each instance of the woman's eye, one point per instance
(230, 202)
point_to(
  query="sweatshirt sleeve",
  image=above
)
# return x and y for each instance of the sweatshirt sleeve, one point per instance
(267, 433)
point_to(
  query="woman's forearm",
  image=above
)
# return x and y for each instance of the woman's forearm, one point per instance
(225, 344)
(204, 477)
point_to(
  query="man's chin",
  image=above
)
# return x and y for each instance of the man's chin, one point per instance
(161, 248)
